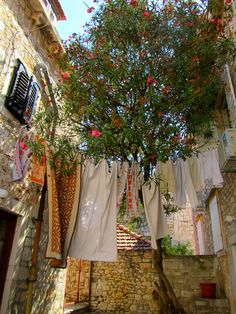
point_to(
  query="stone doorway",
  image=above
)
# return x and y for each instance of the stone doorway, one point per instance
(7, 231)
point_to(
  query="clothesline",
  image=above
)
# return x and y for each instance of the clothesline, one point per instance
(99, 199)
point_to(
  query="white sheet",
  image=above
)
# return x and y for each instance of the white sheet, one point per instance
(154, 211)
(94, 237)
(184, 185)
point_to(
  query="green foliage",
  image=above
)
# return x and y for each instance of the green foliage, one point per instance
(140, 84)
(179, 249)
(169, 205)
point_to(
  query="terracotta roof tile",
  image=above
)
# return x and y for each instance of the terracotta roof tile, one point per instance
(128, 240)
(60, 13)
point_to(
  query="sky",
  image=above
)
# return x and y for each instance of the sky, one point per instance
(77, 16)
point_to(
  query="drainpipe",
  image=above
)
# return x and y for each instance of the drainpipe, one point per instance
(39, 220)
(33, 270)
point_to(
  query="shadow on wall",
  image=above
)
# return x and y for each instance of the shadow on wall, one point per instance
(49, 293)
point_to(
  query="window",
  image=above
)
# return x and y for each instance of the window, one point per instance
(200, 236)
(215, 224)
(22, 94)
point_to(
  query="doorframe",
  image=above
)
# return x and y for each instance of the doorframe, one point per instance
(7, 248)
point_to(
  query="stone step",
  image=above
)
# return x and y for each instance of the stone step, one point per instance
(211, 306)
(77, 308)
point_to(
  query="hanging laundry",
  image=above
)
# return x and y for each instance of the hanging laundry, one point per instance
(166, 174)
(133, 186)
(184, 185)
(122, 172)
(196, 172)
(154, 211)
(63, 201)
(94, 237)
(38, 169)
(22, 156)
(211, 170)
(38, 166)
(180, 194)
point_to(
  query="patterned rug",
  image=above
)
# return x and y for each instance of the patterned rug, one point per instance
(63, 201)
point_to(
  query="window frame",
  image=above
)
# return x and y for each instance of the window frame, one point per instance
(22, 95)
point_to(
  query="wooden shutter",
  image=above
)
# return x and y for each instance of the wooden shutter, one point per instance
(22, 94)
(230, 96)
(31, 101)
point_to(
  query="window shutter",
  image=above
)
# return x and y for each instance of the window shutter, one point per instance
(22, 94)
(31, 101)
(230, 95)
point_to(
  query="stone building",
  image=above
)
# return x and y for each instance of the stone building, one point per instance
(127, 286)
(215, 226)
(28, 44)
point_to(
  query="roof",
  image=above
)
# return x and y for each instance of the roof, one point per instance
(58, 10)
(128, 240)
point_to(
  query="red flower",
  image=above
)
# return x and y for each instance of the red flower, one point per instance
(65, 75)
(177, 138)
(149, 80)
(195, 59)
(89, 10)
(134, 3)
(190, 24)
(228, 1)
(24, 146)
(153, 156)
(146, 14)
(95, 133)
(44, 159)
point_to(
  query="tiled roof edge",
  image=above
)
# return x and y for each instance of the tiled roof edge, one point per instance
(138, 237)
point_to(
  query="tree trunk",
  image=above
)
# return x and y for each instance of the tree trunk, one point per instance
(164, 292)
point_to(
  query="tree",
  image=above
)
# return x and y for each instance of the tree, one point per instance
(140, 85)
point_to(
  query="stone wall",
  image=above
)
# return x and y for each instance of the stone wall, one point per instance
(20, 38)
(50, 285)
(77, 281)
(126, 286)
(227, 258)
(180, 226)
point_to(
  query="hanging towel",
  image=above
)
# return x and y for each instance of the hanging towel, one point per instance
(38, 166)
(189, 187)
(184, 185)
(22, 156)
(63, 201)
(180, 194)
(211, 170)
(196, 172)
(154, 211)
(94, 237)
(133, 186)
(166, 174)
(122, 172)
(38, 169)
(217, 178)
